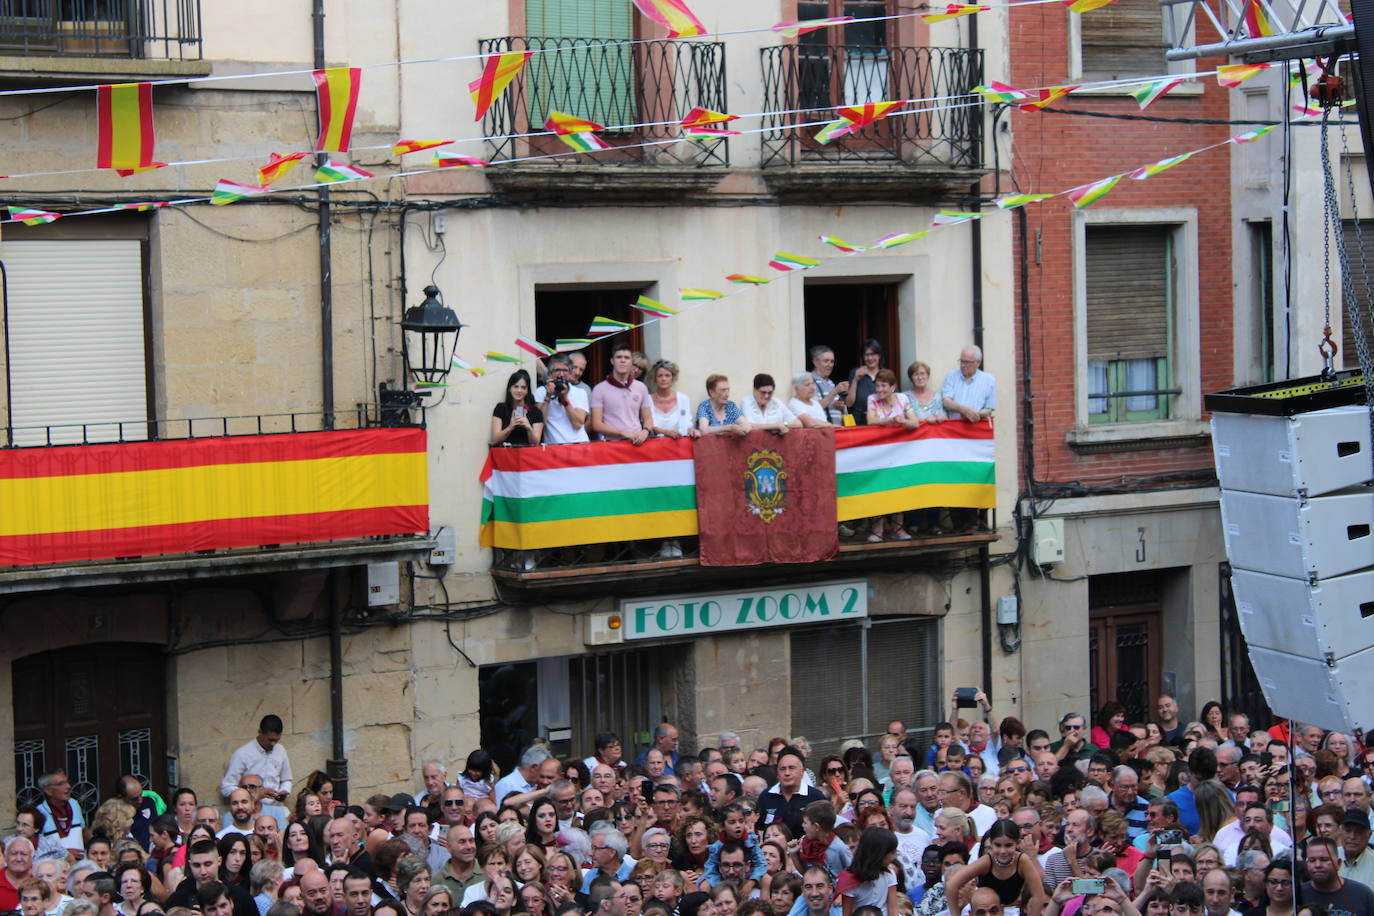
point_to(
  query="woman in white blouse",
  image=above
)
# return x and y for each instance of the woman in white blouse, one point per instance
(804, 404)
(764, 412)
(671, 409)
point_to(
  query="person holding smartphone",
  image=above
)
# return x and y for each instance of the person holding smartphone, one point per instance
(516, 420)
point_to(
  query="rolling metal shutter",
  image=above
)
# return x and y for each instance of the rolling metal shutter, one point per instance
(76, 339)
(1128, 292)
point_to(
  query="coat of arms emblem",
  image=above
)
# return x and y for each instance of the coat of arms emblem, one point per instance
(765, 484)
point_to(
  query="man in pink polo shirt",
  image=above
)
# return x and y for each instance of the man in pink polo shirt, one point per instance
(620, 404)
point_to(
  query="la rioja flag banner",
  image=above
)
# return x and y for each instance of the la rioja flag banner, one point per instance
(766, 498)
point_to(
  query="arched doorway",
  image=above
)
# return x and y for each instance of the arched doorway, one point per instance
(98, 711)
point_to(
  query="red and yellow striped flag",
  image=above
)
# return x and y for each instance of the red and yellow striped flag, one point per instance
(278, 166)
(564, 124)
(865, 114)
(124, 126)
(674, 15)
(336, 91)
(497, 72)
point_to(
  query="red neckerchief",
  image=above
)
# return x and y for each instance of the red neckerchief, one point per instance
(812, 852)
(61, 816)
(616, 383)
(845, 882)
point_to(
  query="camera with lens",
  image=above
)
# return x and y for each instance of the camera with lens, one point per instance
(560, 385)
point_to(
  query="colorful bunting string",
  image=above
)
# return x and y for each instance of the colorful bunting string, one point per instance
(748, 279)
(1232, 75)
(899, 238)
(1089, 194)
(953, 218)
(654, 307)
(704, 122)
(460, 364)
(454, 161)
(567, 344)
(532, 346)
(1250, 136)
(1012, 201)
(785, 261)
(401, 147)
(841, 244)
(33, 217)
(492, 356)
(692, 294)
(1154, 168)
(602, 325)
(227, 192)
(1086, 6)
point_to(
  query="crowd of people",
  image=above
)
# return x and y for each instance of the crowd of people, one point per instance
(565, 409)
(1164, 817)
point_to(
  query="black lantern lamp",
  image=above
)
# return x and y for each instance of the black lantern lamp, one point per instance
(429, 338)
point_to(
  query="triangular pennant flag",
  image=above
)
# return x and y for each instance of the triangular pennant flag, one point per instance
(841, 244)
(336, 94)
(1163, 165)
(1001, 92)
(673, 15)
(1257, 21)
(833, 130)
(561, 123)
(492, 356)
(124, 126)
(603, 325)
(1086, 6)
(1232, 75)
(1151, 92)
(566, 344)
(955, 10)
(150, 205)
(340, 171)
(1039, 98)
(454, 161)
(497, 72)
(31, 217)
(1088, 194)
(899, 238)
(401, 147)
(530, 345)
(460, 364)
(691, 294)
(793, 29)
(654, 307)
(1250, 136)
(748, 279)
(704, 122)
(587, 142)
(1012, 201)
(226, 192)
(953, 218)
(784, 261)
(277, 166)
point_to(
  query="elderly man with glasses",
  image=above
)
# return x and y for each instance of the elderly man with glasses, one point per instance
(1073, 743)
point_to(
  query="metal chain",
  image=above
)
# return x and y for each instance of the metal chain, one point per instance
(1359, 308)
(1331, 221)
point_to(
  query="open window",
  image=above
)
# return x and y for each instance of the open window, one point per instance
(567, 311)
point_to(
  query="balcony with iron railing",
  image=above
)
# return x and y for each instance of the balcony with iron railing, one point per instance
(65, 39)
(153, 500)
(575, 519)
(930, 145)
(639, 90)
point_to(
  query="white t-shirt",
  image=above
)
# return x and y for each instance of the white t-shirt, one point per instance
(679, 417)
(799, 407)
(910, 847)
(775, 413)
(558, 429)
(874, 893)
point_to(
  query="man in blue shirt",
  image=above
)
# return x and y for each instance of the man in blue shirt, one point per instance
(665, 739)
(968, 390)
(1202, 764)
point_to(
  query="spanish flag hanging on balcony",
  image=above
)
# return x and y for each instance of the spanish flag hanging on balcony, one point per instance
(124, 127)
(91, 502)
(336, 91)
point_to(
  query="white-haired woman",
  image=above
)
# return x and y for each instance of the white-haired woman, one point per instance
(804, 402)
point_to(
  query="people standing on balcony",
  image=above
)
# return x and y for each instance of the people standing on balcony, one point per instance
(565, 404)
(927, 406)
(762, 412)
(640, 362)
(671, 410)
(805, 405)
(718, 414)
(969, 391)
(830, 394)
(863, 381)
(887, 406)
(516, 420)
(620, 403)
(579, 369)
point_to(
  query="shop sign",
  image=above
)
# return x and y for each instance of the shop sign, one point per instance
(702, 615)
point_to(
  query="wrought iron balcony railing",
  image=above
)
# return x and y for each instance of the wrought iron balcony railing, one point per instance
(804, 83)
(615, 83)
(138, 29)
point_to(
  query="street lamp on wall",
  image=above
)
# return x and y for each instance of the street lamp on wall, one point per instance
(429, 337)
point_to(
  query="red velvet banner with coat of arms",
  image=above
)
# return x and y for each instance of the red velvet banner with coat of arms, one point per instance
(766, 498)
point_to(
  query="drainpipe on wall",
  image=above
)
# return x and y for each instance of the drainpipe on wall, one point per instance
(326, 260)
(337, 767)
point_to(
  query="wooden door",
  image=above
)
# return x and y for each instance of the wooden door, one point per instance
(1125, 658)
(98, 711)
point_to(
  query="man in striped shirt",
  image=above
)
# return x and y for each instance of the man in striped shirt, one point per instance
(1124, 784)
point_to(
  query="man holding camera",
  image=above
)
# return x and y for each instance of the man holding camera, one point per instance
(565, 404)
